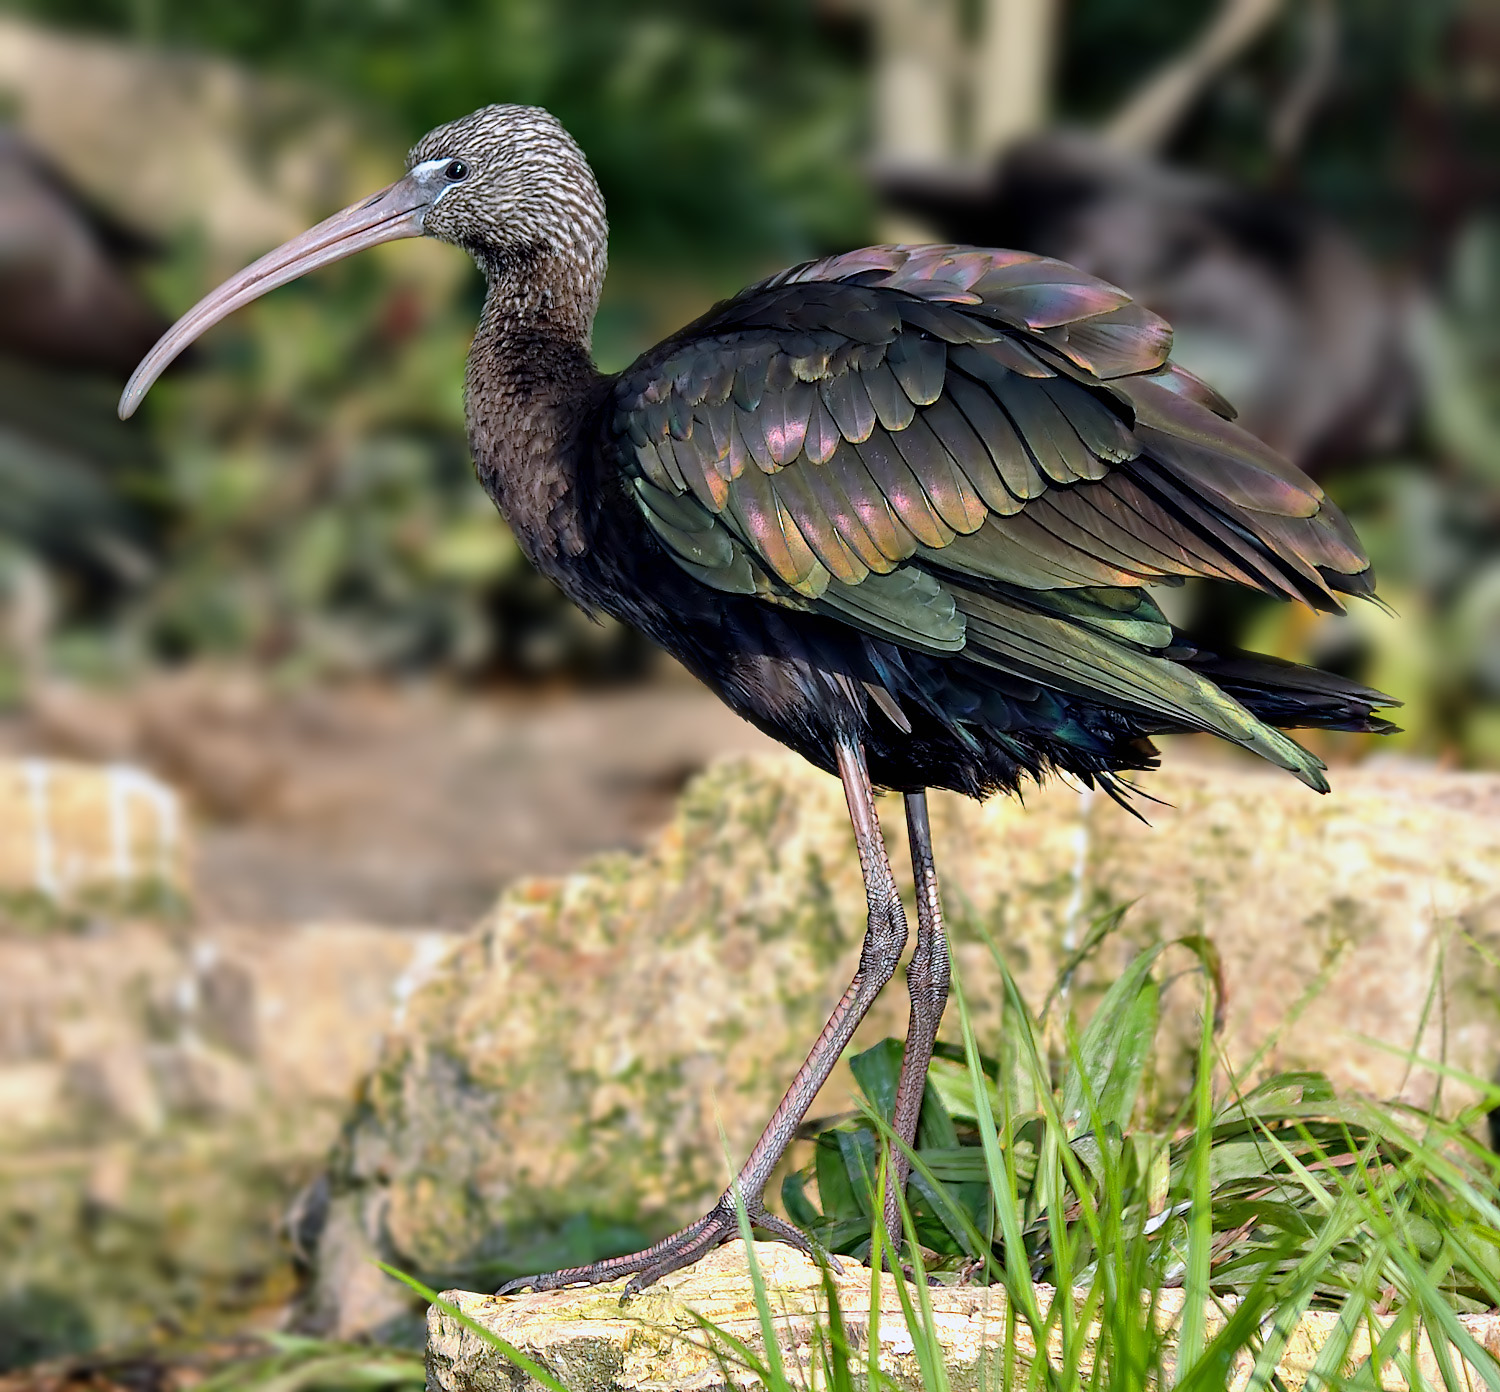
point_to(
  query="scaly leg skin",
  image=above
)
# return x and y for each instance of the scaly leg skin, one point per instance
(885, 938)
(927, 978)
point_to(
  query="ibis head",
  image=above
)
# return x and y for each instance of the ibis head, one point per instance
(507, 183)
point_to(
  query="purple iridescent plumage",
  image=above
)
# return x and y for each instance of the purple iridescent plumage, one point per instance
(944, 447)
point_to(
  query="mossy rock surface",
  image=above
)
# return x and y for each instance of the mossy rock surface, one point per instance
(166, 1090)
(557, 1088)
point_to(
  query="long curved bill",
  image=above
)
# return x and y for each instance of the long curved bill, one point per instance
(396, 211)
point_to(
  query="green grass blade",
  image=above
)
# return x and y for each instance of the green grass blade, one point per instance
(529, 1366)
(1002, 1180)
(1440, 1317)
(775, 1378)
(1327, 1367)
(838, 1366)
(1200, 1216)
(878, 1253)
(1111, 1054)
(720, 1340)
(931, 1358)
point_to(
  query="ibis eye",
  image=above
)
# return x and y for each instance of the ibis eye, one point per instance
(456, 171)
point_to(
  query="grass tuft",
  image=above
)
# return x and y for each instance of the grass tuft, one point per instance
(1134, 1252)
(1259, 1203)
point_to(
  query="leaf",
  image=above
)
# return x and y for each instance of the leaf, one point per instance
(935, 1128)
(1153, 1164)
(799, 1208)
(1105, 1078)
(861, 1159)
(877, 1071)
(840, 1198)
(1020, 1062)
(951, 1084)
(1200, 1215)
(1233, 1160)
(1100, 1158)
(956, 1165)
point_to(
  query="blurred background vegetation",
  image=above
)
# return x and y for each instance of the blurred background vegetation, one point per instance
(299, 495)
(1308, 189)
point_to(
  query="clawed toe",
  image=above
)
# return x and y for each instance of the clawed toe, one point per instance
(560, 1280)
(520, 1283)
(783, 1231)
(693, 1243)
(645, 1268)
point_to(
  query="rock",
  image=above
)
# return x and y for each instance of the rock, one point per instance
(591, 1342)
(203, 729)
(172, 142)
(559, 1082)
(125, 1028)
(75, 835)
(165, 1091)
(205, 114)
(290, 791)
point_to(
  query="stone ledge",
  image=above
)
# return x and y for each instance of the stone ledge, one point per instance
(592, 1343)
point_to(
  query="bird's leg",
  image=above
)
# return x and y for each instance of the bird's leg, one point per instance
(885, 938)
(927, 984)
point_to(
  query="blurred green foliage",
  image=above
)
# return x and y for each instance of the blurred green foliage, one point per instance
(322, 502)
(314, 495)
(310, 502)
(718, 133)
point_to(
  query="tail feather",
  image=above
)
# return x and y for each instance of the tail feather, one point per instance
(1291, 696)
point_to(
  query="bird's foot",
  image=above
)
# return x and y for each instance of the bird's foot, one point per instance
(673, 1253)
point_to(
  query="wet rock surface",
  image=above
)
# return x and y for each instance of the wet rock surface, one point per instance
(558, 1084)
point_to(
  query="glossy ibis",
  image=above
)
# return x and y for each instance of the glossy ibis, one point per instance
(899, 508)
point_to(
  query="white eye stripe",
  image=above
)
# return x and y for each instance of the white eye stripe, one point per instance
(433, 173)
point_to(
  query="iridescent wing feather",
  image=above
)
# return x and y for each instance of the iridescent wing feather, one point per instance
(973, 452)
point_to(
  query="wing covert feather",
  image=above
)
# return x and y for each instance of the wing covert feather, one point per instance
(975, 417)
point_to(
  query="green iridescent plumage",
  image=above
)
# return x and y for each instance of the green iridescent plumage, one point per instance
(974, 453)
